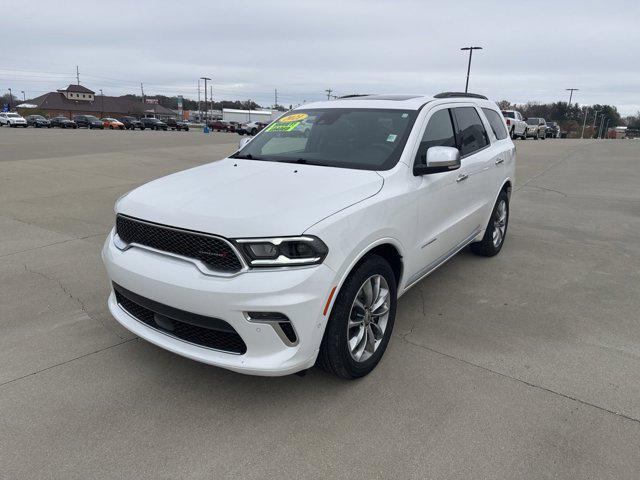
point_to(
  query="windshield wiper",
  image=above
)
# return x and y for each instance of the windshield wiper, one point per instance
(303, 161)
(248, 156)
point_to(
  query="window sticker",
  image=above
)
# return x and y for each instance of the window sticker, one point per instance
(282, 127)
(405, 115)
(392, 137)
(296, 117)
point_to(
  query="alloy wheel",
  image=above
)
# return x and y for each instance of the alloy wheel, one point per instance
(368, 318)
(499, 223)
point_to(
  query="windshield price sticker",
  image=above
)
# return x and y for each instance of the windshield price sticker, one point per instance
(282, 127)
(296, 117)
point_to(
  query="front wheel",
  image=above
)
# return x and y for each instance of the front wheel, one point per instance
(361, 321)
(494, 235)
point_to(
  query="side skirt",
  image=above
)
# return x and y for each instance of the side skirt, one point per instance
(437, 263)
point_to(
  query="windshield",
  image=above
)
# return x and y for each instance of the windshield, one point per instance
(13, 115)
(508, 114)
(92, 118)
(367, 139)
(532, 121)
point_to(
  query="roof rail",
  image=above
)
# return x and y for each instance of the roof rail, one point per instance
(354, 95)
(459, 94)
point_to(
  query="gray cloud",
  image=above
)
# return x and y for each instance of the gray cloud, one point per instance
(531, 52)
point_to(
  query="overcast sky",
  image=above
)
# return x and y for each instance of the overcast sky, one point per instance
(532, 52)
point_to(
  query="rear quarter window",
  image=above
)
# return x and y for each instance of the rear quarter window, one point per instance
(496, 122)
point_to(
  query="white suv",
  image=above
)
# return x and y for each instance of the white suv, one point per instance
(294, 250)
(12, 119)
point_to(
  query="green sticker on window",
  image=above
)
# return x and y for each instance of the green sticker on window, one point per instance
(282, 127)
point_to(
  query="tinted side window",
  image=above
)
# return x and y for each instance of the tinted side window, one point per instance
(497, 124)
(439, 133)
(471, 133)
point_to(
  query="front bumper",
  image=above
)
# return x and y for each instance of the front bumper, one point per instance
(299, 293)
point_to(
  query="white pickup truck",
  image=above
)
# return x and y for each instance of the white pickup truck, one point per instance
(515, 124)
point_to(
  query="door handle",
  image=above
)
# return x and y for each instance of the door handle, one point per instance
(499, 160)
(461, 177)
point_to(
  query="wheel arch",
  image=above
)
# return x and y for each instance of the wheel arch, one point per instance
(388, 248)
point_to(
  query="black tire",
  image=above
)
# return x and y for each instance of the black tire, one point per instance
(512, 134)
(487, 247)
(335, 356)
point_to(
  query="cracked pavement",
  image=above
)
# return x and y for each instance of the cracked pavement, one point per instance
(526, 365)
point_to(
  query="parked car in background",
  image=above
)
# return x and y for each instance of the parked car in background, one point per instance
(516, 125)
(378, 196)
(112, 123)
(221, 126)
(63, 122)
(553, 130)
(131, 123)
(12, 119)
(88, 121)
(38, 121)
(178, 125)
(153, 123)
(251, 128)
(536, 128)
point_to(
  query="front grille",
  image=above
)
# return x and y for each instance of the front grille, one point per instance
(214, 252)
(204, 331)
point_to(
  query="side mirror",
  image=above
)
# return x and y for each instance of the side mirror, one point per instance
(243, 142)
(438, 159)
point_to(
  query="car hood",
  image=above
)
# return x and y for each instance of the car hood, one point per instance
(249, 198)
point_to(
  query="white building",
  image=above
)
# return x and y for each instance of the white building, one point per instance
(243, 116)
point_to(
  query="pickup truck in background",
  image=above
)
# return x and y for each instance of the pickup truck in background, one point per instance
(516, 125)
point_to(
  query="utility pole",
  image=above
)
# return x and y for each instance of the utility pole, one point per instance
(585, 121)
(471, 49)
(606, 129)
(328, 90)
(101, 103)
(276, 99)
(142, 91)
(10, 99)
(24, 98)
(199, 106)
(211, 97)
(78, 74)
(601, 125)
(206, 110)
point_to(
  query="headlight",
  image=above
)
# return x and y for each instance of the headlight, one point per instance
(282, 251)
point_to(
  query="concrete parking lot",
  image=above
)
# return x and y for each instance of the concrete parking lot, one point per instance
(526, 365)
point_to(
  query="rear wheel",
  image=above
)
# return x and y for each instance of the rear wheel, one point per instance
(494, 235)
(361, 321)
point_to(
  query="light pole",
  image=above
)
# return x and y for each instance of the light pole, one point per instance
(595, 116)
(571, 90)
(10, 99)
(101, 103)
(206, 110)
(24, 98)
(584, 123)
(601, 125)
(471, 49)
